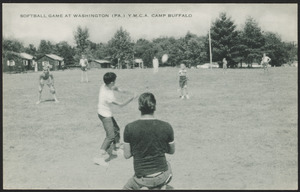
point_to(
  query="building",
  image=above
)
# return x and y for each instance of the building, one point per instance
(100, 64)
(56, 62)
(18, 62)
(140, 62)
(28, 61)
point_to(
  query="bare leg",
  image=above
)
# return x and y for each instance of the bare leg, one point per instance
(186, 92)
(39, 101)
(52, 90)
(40, 94)
(55, 99)
(182, 94)
(86, 74)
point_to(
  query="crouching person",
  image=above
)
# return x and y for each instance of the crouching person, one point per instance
(147, 140)
(46, 78)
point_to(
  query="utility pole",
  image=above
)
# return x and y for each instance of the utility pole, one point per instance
(210, 53)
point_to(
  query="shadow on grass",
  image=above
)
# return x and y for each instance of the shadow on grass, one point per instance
(48, 100)
(111, 157)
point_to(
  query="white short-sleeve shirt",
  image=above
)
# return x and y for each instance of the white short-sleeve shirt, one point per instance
(83, 62)
(106, 97)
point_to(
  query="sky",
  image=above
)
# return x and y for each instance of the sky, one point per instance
(30, 23)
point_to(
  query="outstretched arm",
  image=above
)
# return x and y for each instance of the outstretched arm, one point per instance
(124, 103)
(121, 90)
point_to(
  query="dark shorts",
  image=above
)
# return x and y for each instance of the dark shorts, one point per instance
(264, 64)
(182, 82)
(84, 68)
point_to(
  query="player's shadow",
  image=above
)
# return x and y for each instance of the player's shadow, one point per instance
(48, 100)
(169, 187)
(111, 157)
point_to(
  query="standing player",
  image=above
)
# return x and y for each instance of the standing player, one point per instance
(224, 64)
(155, 63)
(46, 78)
(265, 61)
(183, 81)
(147, 140)
(84, 65)
(106, 100)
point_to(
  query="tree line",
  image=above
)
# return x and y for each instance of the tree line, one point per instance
(238, 46)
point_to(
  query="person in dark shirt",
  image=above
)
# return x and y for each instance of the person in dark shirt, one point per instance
(147, 140)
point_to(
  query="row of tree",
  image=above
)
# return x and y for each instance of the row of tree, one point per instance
(246, 45)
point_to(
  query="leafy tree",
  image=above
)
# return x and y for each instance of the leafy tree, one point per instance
(31, 49)
(193, 49)
(81, 36)
(223, 39)
(291, 50)
(252, 40)
(165, 45)
(63, 49)
(120, 47)
(12, 45)
(144, 49)
(101, 52)
(45, 47)
(274, 48)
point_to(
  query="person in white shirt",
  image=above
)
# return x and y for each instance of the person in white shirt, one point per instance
(183, 81)
(155, 63)
(224, 64)
(265, 61)
(106, 100)
(84, 64)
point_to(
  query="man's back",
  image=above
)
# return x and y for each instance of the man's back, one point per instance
(149, 141)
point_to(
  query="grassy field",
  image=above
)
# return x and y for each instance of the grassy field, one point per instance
(237, 131)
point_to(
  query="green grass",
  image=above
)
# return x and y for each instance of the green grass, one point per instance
(237, 131)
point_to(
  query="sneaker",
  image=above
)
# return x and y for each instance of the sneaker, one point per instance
(118, 152)
(181, 97)
(187, 96)
(100, 161)
(118, 145)
(38, 102)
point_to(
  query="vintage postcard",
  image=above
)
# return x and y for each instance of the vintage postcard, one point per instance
(159, 96)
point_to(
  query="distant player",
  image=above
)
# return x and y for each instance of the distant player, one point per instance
(46, 78)
(224, 64)
(155, 63)
(84, 64)
(183, 81)
(106, 100)
(265, 61)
